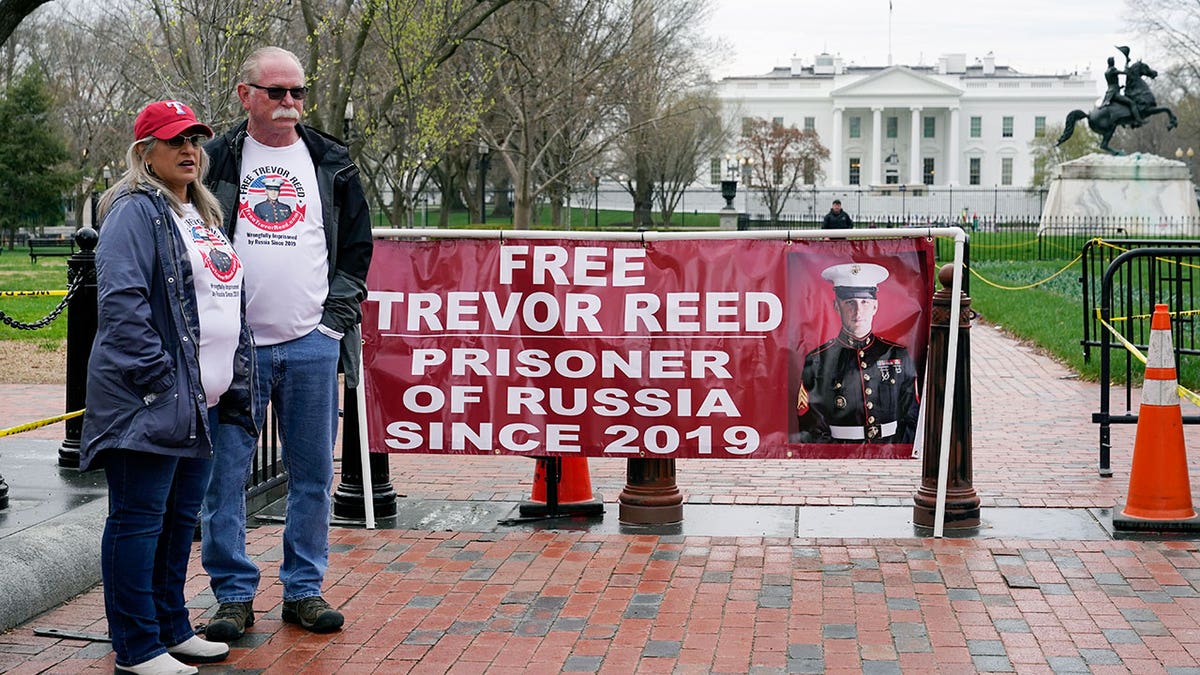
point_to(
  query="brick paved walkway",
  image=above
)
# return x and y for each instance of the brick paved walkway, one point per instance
(544, 602)
(527, 601)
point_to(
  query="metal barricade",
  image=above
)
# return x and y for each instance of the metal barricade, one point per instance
(1097, 256)
(1132, 284)
(268, 478)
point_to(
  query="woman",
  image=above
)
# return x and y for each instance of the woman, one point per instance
(171, 354)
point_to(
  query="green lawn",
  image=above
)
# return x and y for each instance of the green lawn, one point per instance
(1050, 314)
(17, 273)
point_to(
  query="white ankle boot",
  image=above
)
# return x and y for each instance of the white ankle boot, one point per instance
(198, 650)
(163, 664)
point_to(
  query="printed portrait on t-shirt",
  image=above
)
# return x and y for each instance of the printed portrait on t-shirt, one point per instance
(273, 202)
(215, 251)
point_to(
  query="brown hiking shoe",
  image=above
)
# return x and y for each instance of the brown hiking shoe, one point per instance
(230, 621)
(313, 614)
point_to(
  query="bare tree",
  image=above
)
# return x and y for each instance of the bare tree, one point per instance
(1174, 25)
(666, 67)
(416, 109)
(689, 131)
(783, 158)
(553, 94)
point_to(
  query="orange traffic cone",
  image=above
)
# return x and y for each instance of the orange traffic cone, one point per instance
(562, 487)
(1160, 494)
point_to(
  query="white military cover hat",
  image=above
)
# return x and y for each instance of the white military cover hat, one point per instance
(273, 183)
(855, 280)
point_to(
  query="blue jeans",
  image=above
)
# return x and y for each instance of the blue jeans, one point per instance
(299, 378)
(153, 503)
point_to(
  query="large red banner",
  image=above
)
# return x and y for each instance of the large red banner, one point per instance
(697, 348)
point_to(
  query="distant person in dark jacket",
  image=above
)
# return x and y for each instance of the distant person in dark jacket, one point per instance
(837, 219)
(172, 354)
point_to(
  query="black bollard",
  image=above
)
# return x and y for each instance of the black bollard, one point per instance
(81, 331)
(3, 494)
(348, 497)
(962, 502)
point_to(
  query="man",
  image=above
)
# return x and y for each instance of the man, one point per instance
(305, 278)
(857, 387)
(1113, 93)
(837, 219)
(271, 210)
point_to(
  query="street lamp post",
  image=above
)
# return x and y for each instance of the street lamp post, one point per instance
(595, 200)
(1190, 153)
(738, 166)
(106, 173)
(484, 158)
(747, 168)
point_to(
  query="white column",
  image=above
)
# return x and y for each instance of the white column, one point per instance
(876, 146)
(953, 152)
(914, 146)
(835, 153)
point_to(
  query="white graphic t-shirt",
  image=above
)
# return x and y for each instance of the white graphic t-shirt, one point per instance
(280, 236)
(217, 276)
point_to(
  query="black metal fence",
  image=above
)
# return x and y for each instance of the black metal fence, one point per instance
(1122, 282)
(1064, 238)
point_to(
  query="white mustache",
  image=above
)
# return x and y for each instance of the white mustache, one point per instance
(285, 113)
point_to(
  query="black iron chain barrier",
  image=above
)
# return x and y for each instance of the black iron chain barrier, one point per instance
(46, 320)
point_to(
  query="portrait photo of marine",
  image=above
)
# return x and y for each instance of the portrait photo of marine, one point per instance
(271, 210)
(857, 387)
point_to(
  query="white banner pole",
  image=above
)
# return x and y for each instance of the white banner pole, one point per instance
(364, 450)
(939, 517)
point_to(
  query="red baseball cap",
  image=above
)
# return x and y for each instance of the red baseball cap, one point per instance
(167, 119)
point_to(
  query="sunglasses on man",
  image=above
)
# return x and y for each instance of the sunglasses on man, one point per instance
(277, 93)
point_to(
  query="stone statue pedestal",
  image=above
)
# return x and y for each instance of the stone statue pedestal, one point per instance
(1135, 195)
(728, 218)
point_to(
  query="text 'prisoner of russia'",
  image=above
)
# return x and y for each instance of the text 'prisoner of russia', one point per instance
(543, 311)
(857, 387)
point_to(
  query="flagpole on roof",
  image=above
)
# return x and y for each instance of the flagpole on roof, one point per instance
(889, 32)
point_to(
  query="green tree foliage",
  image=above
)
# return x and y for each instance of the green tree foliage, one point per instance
(33, 179)
(1046, 155)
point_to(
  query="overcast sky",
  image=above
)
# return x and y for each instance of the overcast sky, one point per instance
(1032, 36)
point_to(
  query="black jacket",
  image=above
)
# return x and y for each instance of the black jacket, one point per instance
(858, 391)
(837, 221)
(347, 225)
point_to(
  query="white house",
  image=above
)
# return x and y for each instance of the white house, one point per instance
(945, 124)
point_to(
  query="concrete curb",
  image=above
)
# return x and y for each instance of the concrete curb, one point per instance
(51, 562)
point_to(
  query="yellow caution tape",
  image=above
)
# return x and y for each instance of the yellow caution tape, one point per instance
(1167, 261)
(993, 284)
(1144, 317)
(1132, 349)
(44, 294)
(40, 423)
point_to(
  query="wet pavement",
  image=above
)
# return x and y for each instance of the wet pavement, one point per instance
(778, 566)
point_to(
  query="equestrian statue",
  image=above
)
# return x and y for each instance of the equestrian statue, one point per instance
(1128, 108)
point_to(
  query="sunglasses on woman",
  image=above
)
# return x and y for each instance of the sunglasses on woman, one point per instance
(277, 93)
(196, 140)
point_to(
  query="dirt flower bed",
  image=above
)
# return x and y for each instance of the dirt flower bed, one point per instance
(30, 363)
